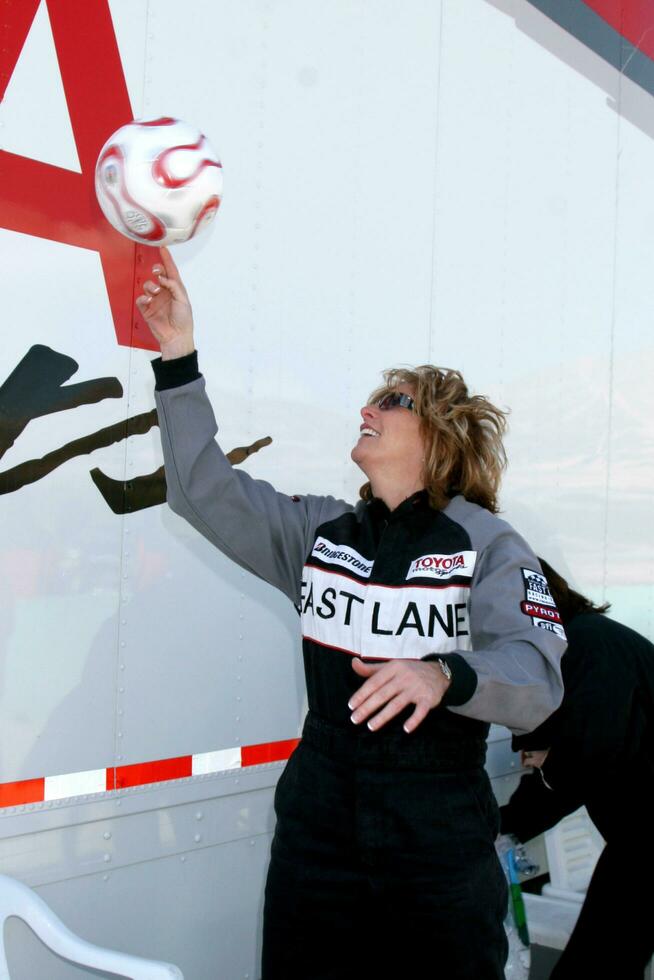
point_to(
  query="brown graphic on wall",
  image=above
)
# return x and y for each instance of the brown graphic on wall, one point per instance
(36, 387)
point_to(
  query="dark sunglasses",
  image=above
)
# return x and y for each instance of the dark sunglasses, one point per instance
(395, 398)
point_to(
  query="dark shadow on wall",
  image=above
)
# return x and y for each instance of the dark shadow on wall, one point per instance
(36, 387)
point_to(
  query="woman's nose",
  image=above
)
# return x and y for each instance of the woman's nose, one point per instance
(368, 412)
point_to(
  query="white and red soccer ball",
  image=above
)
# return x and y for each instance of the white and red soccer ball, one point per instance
(158, 181)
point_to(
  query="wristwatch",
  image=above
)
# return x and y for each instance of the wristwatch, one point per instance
(445, 668)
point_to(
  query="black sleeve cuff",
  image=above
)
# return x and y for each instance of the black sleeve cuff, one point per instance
(464, 679)
(176, 372)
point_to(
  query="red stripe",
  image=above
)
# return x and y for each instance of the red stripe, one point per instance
(256, 755)
(633, 19)
(27, 791)
(153, 772)
(142, 773)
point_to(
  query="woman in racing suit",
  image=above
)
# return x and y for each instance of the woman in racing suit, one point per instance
(424, 618)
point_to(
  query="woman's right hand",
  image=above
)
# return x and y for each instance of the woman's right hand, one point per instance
(165, 307)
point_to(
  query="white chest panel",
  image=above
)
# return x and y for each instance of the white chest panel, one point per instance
(381, 621)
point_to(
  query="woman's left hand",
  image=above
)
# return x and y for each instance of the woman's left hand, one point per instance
(394, 685)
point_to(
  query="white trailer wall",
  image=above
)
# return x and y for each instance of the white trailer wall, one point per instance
(450, 182)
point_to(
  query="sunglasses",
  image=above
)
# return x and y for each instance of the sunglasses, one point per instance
(395, 398)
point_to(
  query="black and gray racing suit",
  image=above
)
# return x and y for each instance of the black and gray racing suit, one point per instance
(379, 828)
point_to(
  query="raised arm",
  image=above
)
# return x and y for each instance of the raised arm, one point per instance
(266, 532)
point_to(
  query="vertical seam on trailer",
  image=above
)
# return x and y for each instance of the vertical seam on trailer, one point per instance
(434, 277)
(612, 327)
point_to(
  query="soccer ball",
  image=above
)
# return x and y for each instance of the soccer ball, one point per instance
(158, 181)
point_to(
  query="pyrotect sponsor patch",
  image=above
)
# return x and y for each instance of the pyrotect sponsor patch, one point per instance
(537, 611)
(341, 554)
(443, 566)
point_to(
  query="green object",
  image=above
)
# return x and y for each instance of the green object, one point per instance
(517, 902)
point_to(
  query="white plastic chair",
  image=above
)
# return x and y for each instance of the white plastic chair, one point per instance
(16, 899)
(573, 848)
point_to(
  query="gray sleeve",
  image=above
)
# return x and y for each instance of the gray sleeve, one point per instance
(266, 532)
(517, 663)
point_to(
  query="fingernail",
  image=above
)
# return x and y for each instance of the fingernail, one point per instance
(354, 719)
(407, 730)
(350, 706)
(371, 726)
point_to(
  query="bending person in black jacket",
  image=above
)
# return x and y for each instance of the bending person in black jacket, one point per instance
(597, 750)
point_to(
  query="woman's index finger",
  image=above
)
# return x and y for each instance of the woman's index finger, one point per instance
(172, 272)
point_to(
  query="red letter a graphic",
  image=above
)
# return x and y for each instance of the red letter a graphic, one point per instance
(51, 202)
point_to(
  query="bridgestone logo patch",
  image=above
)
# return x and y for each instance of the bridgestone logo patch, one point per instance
(341, 554)
(443, 566)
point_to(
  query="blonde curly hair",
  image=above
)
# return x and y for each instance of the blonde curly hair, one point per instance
(463, 435)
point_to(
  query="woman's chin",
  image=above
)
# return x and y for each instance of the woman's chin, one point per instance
(358, 455)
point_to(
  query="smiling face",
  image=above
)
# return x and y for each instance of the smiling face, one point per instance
(390, 449)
